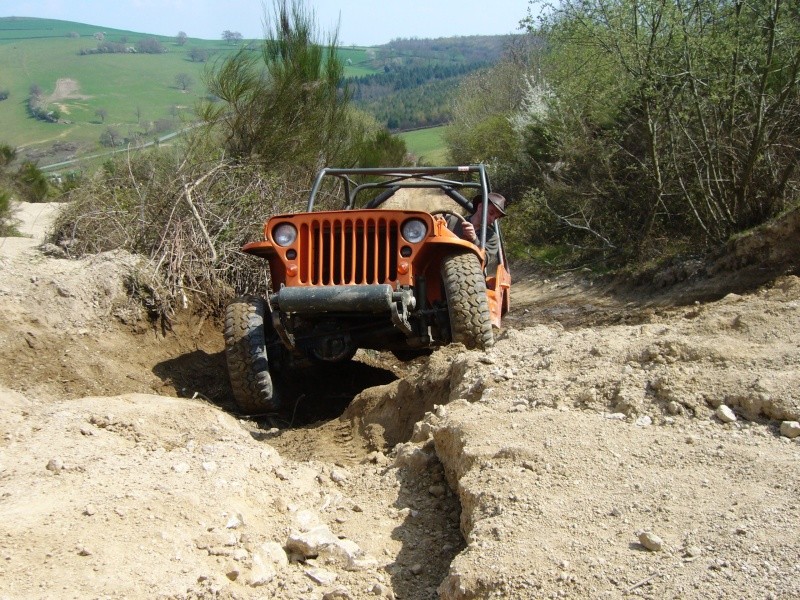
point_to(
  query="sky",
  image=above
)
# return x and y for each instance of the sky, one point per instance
(362, 22)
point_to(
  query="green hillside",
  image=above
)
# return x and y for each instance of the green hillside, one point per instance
(427, 144)
(94, 82)
(135, 94)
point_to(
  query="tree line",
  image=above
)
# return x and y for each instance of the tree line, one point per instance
(635, 127)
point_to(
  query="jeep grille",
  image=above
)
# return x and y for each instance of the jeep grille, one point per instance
(348, 250)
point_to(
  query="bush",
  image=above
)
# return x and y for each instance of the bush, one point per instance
(4, 94)
(150, 46)
(7, 228)
(190, 217)
(198, 55)
(32, 182)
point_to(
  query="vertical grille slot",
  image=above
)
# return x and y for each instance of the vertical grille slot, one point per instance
(349, 251)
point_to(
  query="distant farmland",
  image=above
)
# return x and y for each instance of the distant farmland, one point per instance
(427, 144)
(135, 95)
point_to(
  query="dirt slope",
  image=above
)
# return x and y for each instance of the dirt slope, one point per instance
(526, 472)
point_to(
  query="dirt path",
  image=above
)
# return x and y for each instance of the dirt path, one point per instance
(526, 472)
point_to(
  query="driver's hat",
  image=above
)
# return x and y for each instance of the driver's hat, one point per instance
(497, 199)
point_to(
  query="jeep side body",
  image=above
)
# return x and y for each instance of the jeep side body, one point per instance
(385, 272)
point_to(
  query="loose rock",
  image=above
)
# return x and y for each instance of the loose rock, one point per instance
(725, 414)
(651, 541)
(790, 429)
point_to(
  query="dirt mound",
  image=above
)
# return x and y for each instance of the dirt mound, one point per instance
(533, 470)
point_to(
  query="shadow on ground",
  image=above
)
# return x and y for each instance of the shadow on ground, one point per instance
(310, 394)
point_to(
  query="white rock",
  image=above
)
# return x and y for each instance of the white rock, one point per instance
(644, 421)
(363, 564)
(56, 465)
(321, 576)
(261, 572)
(693, 551)
(310, 543)
(379, 589)
(272, 553)
(338, 594)
(306, 520)
(790, 429)
(618, 416)
(235, 521)
(342, 553)
(651, 541)
(725, 414)
(180, 467)
(412, 457)
(339, 475)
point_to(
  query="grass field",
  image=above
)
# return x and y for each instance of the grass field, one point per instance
(131, 89)
(427, 144)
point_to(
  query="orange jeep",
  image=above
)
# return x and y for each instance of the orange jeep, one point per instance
(384, 272)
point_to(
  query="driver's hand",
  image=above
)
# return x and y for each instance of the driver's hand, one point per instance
(469, 231)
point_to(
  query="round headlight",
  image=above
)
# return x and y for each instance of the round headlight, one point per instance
(284, 234)
(414, 230)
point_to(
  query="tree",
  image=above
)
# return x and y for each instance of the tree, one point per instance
(181, 38)
(183, 81)
(7, 155)
(285, 104)
(198, 55)
(32, 181)
(150, 46)
(111, 137)
(669, 120)
(231, 36)
(102, 113)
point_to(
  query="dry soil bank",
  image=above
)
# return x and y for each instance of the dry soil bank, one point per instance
(530, 471)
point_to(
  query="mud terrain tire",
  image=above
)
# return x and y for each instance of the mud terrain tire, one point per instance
(246, 354)
(467, 305)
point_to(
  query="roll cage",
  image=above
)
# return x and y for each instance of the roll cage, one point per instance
(382, 183)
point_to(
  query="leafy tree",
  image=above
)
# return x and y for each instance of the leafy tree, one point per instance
(382, 149)
(6, 226)
(111, 137)
(7, 155)
(231, 36)
(283, 104)
(198, 55)
(181, 38)
(32, 182)
(664, 120)
(184, 81)
(150, 46)
(102, 113)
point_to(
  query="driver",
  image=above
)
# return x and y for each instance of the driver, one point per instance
(468, 229)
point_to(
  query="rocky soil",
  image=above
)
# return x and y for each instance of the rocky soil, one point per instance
(612, 444)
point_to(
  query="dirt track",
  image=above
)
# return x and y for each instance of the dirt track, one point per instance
(526, 472)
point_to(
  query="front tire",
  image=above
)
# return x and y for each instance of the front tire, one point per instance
(246, 354)
(467, 303)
